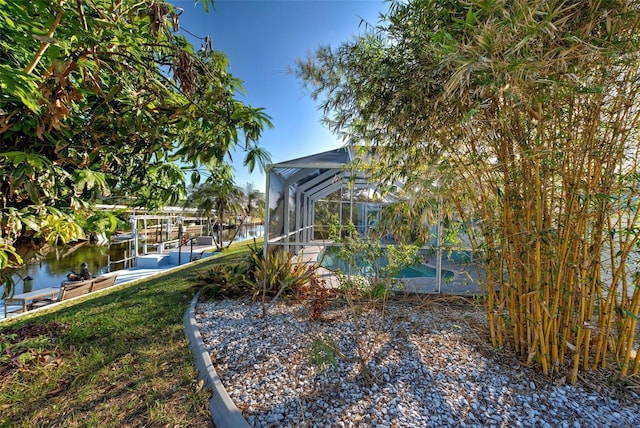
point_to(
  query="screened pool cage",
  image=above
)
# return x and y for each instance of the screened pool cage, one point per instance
(304, 194)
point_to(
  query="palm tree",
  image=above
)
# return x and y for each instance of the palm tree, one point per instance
(253, 200)
(220, 198)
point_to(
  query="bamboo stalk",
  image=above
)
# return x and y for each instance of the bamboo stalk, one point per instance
(629, 331)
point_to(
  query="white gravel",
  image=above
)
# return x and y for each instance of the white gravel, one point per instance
(430, 366)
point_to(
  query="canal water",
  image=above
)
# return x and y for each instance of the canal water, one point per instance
(52, 267)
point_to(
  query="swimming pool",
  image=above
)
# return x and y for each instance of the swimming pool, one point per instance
(423, 271)
(416, 271)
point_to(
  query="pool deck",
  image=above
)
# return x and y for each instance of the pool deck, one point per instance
(309, 256)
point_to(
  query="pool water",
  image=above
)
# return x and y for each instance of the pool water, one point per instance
(422, 271)
(415, 271)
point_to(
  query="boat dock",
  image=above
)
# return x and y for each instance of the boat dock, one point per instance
(147, 266)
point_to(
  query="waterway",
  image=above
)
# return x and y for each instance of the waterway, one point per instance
(51, 266)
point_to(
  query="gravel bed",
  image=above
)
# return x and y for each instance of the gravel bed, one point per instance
(428, 365)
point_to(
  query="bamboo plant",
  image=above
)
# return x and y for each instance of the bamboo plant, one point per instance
(526, 114)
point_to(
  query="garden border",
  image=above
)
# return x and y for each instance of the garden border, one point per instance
(224, 412)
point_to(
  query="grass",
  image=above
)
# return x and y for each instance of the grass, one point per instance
(118, 358)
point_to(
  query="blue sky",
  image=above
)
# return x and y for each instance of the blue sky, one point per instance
(262, 40)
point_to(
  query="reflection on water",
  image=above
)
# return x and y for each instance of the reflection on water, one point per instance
(52, 269)
(247, 231)
(58, 261)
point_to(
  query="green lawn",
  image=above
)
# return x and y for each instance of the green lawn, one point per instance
(115, 359)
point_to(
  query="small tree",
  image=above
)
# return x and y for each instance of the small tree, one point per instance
(366, 280)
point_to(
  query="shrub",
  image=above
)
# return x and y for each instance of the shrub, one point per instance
(279, 274)
(221, 281)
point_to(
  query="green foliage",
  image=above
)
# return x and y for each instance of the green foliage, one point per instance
(59, 227)
(379, 291)
(372, 266)
(102, 99)
(221, 281)
(234, 278)
(278, 274)
(253, 261)
(408, 220)
(26, 347)
(323, 353)
(99, 222)
(524, 115)
(364, 286)
(324, 218)
(9, 257)
(9, 260)
(399, 257)
(368, 281)
(219, 197)
(105, 349)
(354, 284)
(253, 201)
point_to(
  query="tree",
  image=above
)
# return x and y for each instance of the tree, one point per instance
(105, 98)
(525, 115)
(219, 197)
(253, 200)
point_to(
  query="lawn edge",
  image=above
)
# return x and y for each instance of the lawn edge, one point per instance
(224, 412)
